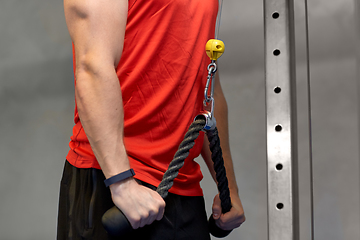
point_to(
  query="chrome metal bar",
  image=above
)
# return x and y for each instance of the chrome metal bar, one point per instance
(311, 165)
(357, 25)
(282, 179)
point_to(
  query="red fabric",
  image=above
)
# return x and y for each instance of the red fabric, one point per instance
(162, 73)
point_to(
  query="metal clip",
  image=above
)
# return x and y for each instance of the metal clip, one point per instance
(208, 111)
(211, 77)
(210, 123)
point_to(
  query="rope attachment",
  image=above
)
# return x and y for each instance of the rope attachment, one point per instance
(180, 156)
(115, 222)
(222, 182)
(217, 158)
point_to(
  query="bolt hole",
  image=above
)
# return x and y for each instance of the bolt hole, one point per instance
(276, 52)
(278, 128)
(218, 46)
(280, 206)
(279, 166)
(275, 15)
(277, 89)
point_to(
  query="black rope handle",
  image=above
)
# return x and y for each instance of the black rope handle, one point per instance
(222, 182)
(115, 222)
(180, 156)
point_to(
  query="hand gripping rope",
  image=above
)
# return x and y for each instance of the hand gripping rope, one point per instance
(115, 222)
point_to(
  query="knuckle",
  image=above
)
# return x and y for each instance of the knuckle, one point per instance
(158, 206)
(215, 209)
(154, 211)
(159, 201)
(135, 222)
(221, 224)
(136, 219)
(159, 217)
(144, 214)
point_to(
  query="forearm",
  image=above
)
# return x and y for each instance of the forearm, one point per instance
(206, 155)
(221, 115)
(100, 108)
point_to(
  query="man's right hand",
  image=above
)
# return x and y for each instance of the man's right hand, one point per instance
(140, 204)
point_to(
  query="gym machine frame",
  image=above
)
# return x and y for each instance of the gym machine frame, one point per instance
(282, 179)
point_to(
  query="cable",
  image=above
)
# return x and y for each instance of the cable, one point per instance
(310, 122)
(218, 20)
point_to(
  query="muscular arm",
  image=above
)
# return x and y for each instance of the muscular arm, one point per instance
(97, 29)
(236, 216)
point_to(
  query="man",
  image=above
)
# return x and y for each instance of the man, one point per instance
(140, 73)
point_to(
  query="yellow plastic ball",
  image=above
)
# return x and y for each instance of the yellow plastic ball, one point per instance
(214, 48)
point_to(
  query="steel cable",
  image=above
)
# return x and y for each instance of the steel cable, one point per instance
(312, 219)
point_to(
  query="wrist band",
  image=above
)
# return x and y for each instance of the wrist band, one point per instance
(119, 177)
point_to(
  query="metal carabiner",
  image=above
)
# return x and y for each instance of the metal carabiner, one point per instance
(208, 113)
(208, 110)
(211, 77)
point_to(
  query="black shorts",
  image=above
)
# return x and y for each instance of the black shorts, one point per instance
(84, 199)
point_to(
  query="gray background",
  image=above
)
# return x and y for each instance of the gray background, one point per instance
(36, 101)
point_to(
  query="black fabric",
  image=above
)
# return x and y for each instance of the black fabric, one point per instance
(84, 199)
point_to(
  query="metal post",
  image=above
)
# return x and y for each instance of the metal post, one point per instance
(357, 31)
(283, 217)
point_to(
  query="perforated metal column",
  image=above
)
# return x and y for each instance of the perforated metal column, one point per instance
(281, 120)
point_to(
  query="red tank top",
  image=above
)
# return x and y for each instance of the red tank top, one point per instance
(162, 73)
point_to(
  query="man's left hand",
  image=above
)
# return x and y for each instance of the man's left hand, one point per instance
(232, 219)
